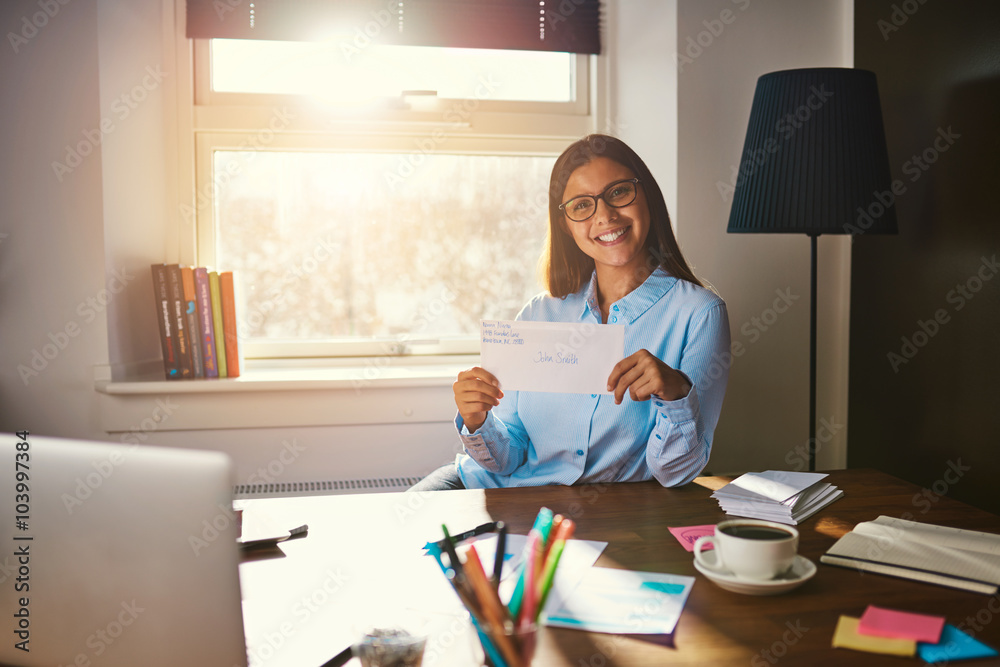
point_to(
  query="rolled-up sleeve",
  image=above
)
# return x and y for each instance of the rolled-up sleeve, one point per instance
(500, 444)
(681, 440)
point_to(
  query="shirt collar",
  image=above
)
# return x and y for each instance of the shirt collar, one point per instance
(635, 303)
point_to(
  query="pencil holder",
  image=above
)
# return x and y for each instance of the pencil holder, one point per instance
(509, 646)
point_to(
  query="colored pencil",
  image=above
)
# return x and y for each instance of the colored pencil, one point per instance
(540, 529)
(493, 610)
(559, 543)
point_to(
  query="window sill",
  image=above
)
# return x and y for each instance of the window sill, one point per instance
(273, 394)
(259, 376)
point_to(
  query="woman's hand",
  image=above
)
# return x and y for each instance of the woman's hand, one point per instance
(643, 375)
(477, 391)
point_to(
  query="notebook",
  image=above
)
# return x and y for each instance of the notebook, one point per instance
(963, 559)
(128, 556)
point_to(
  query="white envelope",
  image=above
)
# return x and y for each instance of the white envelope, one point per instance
(551, 356)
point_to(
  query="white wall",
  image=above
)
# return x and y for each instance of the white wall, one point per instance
(65, 240)
(52, 257)
(765, 418)
(682, 99)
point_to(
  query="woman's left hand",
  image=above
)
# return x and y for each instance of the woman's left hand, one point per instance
(643, 375)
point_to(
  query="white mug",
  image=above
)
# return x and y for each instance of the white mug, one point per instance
(750, 549)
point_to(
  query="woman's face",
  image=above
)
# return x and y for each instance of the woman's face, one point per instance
(614, 238)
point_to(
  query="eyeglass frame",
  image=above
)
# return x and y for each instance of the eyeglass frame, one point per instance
(634, 181)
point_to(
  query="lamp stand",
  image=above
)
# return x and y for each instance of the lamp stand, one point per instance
(812, 356)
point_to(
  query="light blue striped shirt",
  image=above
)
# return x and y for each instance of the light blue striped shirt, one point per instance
(536, 438)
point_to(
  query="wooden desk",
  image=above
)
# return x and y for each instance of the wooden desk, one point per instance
(364, 551)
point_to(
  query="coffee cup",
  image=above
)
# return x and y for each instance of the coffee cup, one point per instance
(750, 549)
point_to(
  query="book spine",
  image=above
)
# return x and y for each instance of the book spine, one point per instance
(220, 340)
(180, 325)
(909, 573)
(206, 327)
(229, 327)
(161, 294)
(191, 319)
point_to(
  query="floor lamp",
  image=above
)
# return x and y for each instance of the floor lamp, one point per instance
(814, 162)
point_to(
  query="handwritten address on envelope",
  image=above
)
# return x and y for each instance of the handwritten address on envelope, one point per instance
(551, 356)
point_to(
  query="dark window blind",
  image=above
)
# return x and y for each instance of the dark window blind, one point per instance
(533, 25)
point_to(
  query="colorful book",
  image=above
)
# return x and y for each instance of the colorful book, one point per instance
(230, 329)
(191, 320)
(206, 326)
(220, 340)
(161, 294)
(174, 284)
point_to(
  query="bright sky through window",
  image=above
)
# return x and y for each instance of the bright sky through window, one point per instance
(327, 245)
(327, 71)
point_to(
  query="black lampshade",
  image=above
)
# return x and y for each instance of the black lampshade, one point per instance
(814, 160)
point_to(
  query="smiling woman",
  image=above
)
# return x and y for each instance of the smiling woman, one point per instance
(611, 259)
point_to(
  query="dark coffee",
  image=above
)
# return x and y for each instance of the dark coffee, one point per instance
(757, 532)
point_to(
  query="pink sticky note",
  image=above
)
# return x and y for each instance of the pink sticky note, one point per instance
(881, 622)
(689, 534)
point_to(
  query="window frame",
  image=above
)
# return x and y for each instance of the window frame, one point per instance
(234, 121)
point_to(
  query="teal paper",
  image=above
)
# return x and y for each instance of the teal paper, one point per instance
(954, 645)
(663, 587)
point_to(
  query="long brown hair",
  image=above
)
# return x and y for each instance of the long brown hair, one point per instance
(564, 267)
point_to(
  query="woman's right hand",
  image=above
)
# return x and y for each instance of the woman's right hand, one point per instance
(477, 391)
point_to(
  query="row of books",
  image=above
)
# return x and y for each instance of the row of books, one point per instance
(196, 310)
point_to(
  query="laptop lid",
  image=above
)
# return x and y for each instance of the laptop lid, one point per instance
(114, 555)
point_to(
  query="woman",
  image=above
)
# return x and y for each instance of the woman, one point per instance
(611, 258)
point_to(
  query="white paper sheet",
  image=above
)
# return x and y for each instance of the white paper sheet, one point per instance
(551, 356)
(777, 485)
(623, 602)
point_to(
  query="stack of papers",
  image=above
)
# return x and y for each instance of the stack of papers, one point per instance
(777, 495)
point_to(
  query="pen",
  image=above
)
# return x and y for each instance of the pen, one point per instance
(541, 528)
(460, 585)
(492, 609)
(501, 550)
(556, 522)
(461, 582)
(530, 592)
(449, 548)
(481, 529)
(552, 562)
(340, 659)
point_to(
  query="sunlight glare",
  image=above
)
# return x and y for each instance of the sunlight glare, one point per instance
(324, 71)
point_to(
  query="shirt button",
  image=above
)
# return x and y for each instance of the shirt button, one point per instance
(659, 404)
(593, 395)
(579, 452)
(614, 308)
(614, 319)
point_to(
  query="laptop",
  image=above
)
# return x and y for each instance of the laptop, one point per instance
(114, 555)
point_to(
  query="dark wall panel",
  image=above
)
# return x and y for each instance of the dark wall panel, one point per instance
(925, 305)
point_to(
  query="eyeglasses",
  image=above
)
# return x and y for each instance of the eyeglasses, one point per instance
(616, 195)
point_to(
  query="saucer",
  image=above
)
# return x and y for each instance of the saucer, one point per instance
(802, 570)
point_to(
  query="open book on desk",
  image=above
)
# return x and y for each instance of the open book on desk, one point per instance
(964, 559)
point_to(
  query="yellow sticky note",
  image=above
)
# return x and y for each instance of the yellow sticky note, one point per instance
(847, 636)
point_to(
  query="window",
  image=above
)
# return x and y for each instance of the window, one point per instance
(379, 200)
